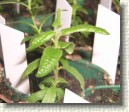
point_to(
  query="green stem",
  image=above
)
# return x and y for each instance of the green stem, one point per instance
(33, 19)
(57, 35)
(56, 73)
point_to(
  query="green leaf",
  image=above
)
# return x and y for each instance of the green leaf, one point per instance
(74, 72)
(60, 94)
(45, 19)
(26, 39)
(57, 22)
(41, 86)
(26, 23)
(83, 28)
(37, 96)
(48, 61)
(40, 39)
(50, 95)
(48, 80)
(68, 46)
(13, 2)
(81, 9)
(62, 81)
(30, 68)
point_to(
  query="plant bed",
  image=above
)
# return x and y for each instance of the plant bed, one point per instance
(7, 93)
(94, 87)
(52, 60)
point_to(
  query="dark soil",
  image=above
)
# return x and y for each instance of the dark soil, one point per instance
(103, 96)
(8, 94)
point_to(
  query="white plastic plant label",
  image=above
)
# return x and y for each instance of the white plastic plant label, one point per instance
(2, 20)
(14, 57)
(106, 3)
(71, 97)
(106, 48)
(66, 14)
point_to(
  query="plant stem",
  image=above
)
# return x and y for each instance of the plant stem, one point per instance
(32, 16)
(56, 72)
(33, 19)
(56, 38)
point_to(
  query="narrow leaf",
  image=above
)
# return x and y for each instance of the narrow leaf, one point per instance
(13, 2)
(26, 39)
(68, 46)
(57, 22)
(40, 39)
(73, 72)
(37, 96)
(62, 81)
(81, 9)
(50, 96)
(60, 94)
(30, 68)
(84, 28)
(48, 61)
(48, 80)
(45, 19)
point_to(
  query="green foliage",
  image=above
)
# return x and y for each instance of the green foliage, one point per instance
(57, 22)
(26, 39)
(30, 68)
(14, 2)
(73, 71)
(52, 58)
(116, 3)
(84, 28)
(78, 11)
(50, 95)
(49, 60)
(67, 46)
(37, 96)
(60, 94)
(40, 39)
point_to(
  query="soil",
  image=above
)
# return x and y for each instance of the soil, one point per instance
(8, 94)
(101, 96)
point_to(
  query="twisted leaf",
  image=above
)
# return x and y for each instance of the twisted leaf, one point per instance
(62, 81)
(37, 96)
(40, 39)
(68, 46)
(48, 61)
(48, 80)
(30, 68)
(84, 28)
(74, 72)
